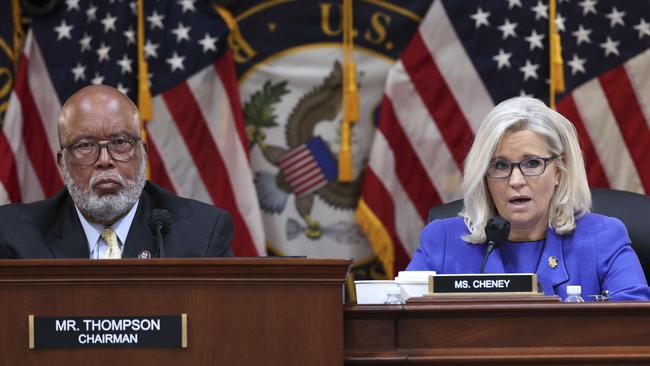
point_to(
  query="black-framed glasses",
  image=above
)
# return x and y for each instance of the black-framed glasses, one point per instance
(120, 147)
(531, 167)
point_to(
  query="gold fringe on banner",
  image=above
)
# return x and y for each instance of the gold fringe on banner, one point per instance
(350, 94)
(378, 236)
(556, 63)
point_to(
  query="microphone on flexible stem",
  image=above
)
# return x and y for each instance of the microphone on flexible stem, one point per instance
(160, 221)
(496, 231)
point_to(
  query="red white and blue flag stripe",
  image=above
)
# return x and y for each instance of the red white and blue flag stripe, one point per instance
(308, 167)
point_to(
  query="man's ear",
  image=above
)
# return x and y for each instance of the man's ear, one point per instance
(59, 162)
(145, 148)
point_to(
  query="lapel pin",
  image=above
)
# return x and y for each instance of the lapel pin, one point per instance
(144, 254)
(552, 262)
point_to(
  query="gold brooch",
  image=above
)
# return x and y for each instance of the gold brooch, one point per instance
(552, 262)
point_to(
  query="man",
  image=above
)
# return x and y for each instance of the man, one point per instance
(106, 209)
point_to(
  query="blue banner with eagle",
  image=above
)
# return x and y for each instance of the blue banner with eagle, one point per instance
(290, 62)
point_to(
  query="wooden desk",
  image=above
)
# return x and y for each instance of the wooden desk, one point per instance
(498, 333)
(240, 311)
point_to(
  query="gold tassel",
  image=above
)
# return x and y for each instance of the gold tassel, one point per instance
(350, 92)
(144, 93)
(556, 64)
(350, 95)
(345, 154)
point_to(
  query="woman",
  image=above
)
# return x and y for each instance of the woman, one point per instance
(526, 166)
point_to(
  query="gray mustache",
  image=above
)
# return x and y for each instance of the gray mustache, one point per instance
(107, 175)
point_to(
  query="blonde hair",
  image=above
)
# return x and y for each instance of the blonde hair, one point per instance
(571, 198)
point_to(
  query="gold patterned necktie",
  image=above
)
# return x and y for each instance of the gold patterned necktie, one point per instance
(110, 238)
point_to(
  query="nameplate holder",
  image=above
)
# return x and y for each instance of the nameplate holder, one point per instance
(483, 284)
(156, 331)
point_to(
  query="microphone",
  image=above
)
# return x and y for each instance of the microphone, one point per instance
(497, 231)
(160, 221)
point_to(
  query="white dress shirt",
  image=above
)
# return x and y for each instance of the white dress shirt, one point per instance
(97, 247)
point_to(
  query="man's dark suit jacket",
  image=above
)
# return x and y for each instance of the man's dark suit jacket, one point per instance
(51, 228)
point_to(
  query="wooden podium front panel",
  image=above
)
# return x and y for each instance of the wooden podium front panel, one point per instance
(494, 333)
(240, 311)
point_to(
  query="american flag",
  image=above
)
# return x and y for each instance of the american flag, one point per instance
(197, 146)
(469, 55)
(308, 167)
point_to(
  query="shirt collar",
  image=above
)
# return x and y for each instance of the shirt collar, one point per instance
(120, 227)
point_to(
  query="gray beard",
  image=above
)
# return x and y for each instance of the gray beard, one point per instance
(108, 208)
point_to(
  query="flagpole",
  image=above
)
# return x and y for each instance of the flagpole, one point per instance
(555, 56)
(350, 95)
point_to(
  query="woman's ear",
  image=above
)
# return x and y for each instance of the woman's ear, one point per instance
(558, 172)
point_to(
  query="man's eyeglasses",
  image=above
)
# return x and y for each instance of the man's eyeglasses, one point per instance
(120, 148)
(501, 169)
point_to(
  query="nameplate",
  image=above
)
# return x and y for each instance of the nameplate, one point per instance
(456, 284)
(158, 331)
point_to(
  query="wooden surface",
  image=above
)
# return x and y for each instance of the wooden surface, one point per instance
(240, 311)
(489, 332)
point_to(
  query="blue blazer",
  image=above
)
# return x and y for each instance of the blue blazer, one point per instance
(597, 256)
